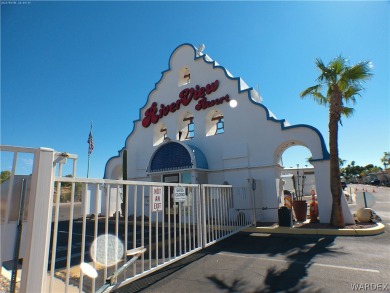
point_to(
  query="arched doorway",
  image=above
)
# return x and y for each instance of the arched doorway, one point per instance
(295, 173)
(177, 162)
(297, 176)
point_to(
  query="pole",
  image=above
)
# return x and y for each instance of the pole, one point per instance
(88, 166)
(90, 147)
(18, 236)
(365, 200)
(254, 201)
(124, 177)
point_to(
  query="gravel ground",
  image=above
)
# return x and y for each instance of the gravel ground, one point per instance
(4, 284)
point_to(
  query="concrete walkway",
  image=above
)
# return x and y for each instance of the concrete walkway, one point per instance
(374, 229)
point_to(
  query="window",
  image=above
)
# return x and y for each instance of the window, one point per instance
(215, 123)
(186, 127)
(164, 132)
(190, 128)
(184, 76)
(220, 125)
(160, 134)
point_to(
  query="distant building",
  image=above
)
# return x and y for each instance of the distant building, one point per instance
(202, 125)
(299, 178)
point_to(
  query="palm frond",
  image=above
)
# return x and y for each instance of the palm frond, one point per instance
(351, 100)
(315, 93)
(359, 72)
(338, 64)
(310, 90)
(320, 98)
(351, 92)
(347, 112)
(325, 71)
(341, 81)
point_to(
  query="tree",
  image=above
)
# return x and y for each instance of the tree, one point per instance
(352, 170)
(342, 162)
(4, 176)
(386, 159)
(343, 85)
(67, 184)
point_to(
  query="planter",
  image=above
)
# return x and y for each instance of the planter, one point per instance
(300, 210)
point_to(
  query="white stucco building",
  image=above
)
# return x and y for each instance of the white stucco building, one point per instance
(202, 125)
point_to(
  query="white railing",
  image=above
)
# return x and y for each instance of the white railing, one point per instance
(168, 234)
(38, 210)
(221, 212)
(171, 221)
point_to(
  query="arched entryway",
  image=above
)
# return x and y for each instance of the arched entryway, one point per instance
(321, 165)
(295, 173)
(177, 162)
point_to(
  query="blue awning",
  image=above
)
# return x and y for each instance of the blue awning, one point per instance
(177, 156)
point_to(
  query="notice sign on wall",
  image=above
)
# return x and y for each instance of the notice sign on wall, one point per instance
(157, 204)
(180, 194)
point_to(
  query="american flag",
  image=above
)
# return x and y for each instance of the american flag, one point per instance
(90, 142)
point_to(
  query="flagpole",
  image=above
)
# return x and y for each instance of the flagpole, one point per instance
(88, 167)
(90, 143)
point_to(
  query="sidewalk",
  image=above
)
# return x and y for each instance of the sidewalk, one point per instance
(5, 280)
(307, 228)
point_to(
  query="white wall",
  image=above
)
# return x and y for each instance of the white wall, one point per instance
(250, 147)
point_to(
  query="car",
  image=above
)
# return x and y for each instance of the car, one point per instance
(375, 182)
(343, 184)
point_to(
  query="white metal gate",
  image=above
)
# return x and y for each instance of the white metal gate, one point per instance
(80, 221)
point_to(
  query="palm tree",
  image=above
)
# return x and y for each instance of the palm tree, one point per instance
(386, 159)
(343, 85)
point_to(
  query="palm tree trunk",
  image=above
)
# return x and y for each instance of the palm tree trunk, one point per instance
(335, 106)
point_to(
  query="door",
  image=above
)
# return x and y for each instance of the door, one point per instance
(169, 204)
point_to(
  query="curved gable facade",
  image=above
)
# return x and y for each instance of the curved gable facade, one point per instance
(191, 111)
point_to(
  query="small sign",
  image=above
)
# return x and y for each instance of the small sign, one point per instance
(180, 194)
(157, 199)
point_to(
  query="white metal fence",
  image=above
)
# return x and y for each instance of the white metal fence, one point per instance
(170, 220)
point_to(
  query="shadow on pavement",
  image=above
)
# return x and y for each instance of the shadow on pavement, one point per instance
(143, 283)
(298, 253)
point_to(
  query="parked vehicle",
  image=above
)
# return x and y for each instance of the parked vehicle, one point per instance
(375, 182)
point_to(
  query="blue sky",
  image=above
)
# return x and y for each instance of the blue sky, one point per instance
(65, 64)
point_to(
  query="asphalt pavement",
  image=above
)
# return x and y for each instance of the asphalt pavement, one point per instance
(285, 260)
(257, 262)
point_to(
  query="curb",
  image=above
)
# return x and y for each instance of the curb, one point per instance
(307, 231)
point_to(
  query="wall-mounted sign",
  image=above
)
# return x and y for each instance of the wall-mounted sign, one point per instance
(198, 93)
(180, 194)
(157, 199)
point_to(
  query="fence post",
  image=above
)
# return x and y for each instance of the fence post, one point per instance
(34, 269)
(204, 216)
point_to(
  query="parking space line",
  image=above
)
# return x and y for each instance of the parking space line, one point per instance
(303, 263)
